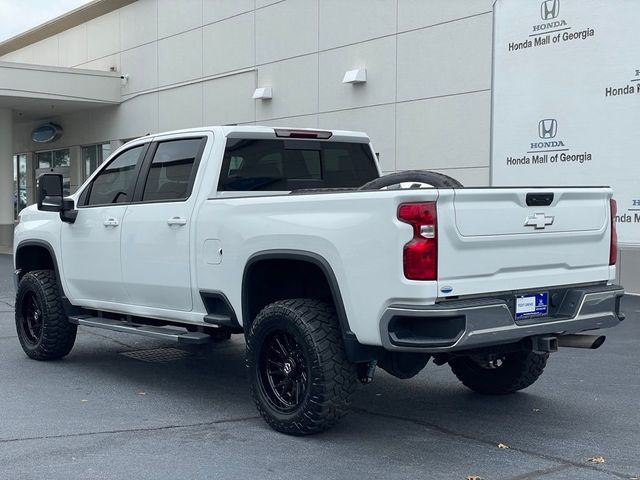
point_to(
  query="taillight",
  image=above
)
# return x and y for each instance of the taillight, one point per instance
(420, 255)
(613, 250)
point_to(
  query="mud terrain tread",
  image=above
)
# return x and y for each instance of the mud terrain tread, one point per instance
(334, 377)
(59, 334)
(520, 371)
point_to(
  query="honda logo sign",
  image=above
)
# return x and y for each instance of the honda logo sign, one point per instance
(550, 9)
(548, 128)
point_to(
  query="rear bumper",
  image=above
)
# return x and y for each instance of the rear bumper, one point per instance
(483, 322)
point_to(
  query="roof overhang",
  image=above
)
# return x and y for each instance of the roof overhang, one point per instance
(71, 19)
(36, 91)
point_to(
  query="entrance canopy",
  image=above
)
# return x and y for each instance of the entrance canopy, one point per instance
(36, 91)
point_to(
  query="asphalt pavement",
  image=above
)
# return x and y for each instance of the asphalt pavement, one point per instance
(121, 407)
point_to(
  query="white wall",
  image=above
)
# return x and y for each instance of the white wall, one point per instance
(426, 103)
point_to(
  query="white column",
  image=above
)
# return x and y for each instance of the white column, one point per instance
(75, 168)
(115, 144)
(6, 178)
(31, 178)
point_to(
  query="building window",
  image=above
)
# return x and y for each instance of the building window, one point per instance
(19, 182)
(93, 156)
(53, 158)
(54, 161)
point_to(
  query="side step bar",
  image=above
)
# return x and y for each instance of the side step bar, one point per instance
(174, 334)
(222, 320)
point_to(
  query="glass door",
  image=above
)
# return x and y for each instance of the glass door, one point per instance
(55, 161)
(19, 182)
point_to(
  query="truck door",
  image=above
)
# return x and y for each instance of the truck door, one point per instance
(91, 245)
(156, 229)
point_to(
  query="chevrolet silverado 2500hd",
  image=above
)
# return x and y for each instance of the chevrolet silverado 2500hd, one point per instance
(292, 238)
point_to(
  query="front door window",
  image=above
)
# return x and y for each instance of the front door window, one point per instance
(115, 183)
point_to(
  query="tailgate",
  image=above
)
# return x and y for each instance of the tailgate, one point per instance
(502, 239)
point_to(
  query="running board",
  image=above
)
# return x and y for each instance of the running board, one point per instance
(175, 334)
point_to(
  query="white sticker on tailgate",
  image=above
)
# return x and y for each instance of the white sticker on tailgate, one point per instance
(525, 304)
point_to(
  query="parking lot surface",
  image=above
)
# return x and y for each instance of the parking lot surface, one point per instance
(127, 407)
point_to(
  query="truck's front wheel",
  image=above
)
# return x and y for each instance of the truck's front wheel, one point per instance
(499, 374)
(43, 328)
(301, 380)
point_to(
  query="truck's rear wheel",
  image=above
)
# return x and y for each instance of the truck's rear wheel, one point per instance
(43, 328)
(499, 374)
(300, 378)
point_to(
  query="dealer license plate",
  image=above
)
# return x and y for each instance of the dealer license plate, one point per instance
(532, 306)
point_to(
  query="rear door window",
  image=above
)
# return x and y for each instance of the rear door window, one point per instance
(282, 165)
(172, 170)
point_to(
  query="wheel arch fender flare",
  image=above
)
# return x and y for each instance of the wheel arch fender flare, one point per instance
(54, 259)
(298, 255)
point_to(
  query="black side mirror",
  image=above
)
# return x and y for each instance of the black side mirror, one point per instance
(50, 192)
(68, 213)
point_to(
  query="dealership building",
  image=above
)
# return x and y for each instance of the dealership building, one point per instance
(114, 70)
(415, 75)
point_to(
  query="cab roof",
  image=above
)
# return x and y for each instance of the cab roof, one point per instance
(264, 132)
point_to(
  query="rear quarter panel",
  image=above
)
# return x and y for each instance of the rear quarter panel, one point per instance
(357, 233)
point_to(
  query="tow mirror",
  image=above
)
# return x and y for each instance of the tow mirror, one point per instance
(50, 192)
(50, 197)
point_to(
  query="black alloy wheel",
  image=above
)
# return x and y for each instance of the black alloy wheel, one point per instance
(31, 319)
(44, 331)
(283, 372)
(301, 380)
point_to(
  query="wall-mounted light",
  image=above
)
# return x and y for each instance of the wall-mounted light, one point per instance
(263, 93)
(355, 76)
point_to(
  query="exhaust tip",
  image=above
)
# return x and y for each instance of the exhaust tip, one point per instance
(581, 341)
(597, 343)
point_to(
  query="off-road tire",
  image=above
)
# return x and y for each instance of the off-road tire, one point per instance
(56, 335)
(435, 179)
(331, 378)
(518, 371)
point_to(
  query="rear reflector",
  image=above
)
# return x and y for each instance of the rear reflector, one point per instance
(316, 134)
(613, 250)
(420, 255)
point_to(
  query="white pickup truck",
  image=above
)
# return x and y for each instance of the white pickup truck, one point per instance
(291, 237)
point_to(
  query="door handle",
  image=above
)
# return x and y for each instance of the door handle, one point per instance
(111, 222)
(176, 221)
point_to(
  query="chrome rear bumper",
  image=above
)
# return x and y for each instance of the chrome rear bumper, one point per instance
(477, 323)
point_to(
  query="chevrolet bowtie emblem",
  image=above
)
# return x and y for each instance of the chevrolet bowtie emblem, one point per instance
(539, 221)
